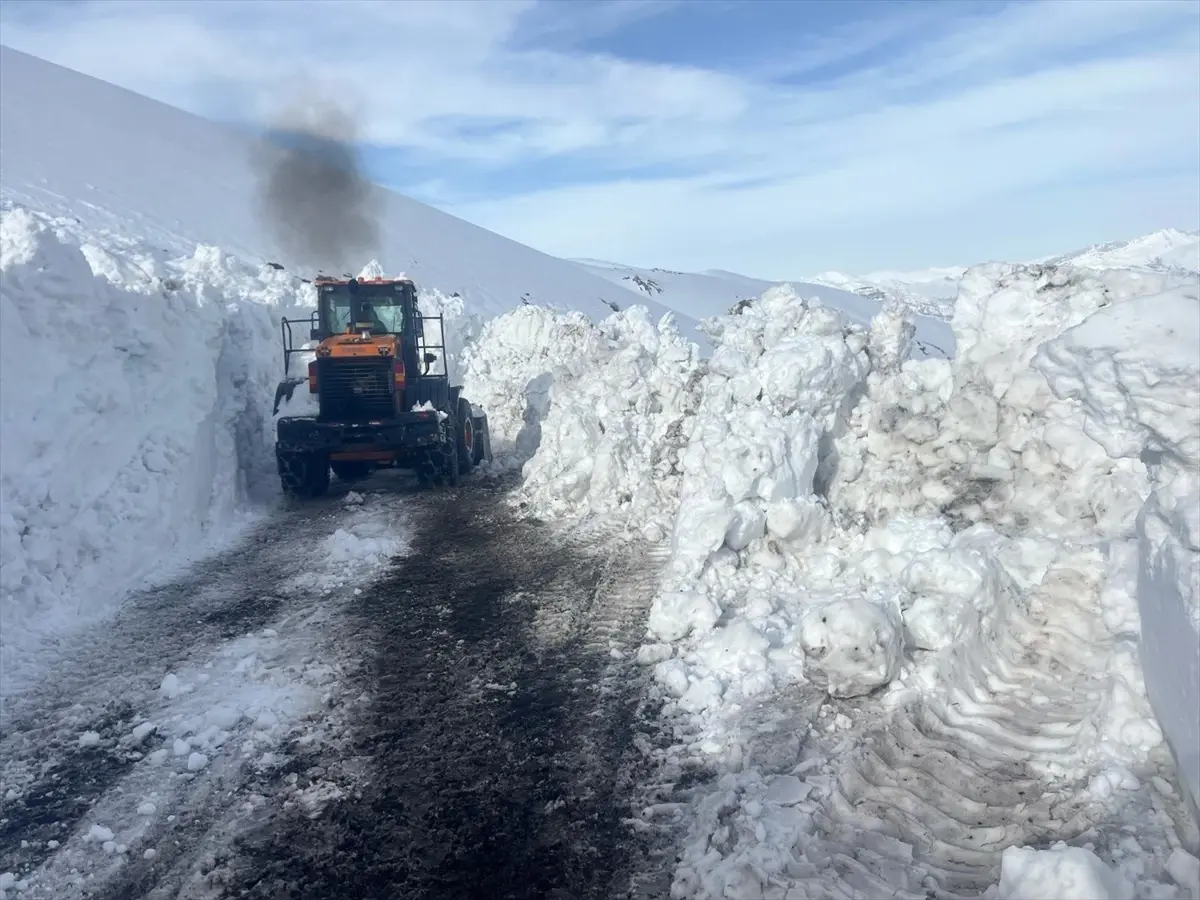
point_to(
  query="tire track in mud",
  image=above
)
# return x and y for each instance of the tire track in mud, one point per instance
(493, 750)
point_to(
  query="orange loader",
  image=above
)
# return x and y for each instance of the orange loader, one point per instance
(384, 397)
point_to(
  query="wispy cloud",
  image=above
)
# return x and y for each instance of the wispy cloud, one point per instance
(773, 138)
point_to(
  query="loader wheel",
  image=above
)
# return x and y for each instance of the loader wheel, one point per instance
(440, 465)
(465, 438)
(482, 440)
(303, 475)
(350, 469)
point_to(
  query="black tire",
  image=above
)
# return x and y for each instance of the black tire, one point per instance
(465, 438)
(440, 465)
(350, 469)
(480, 443)
(483, 440)
(303, 475)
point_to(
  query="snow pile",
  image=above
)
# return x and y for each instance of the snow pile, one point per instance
(973, 514)
(1135, 370)
(610, 425)
(508, 371)
(134, 392)
(850, 520)
(460, 328)
(985, 439)
(593, 413)
(1074, 398)
(768, 586)
(1060, 873)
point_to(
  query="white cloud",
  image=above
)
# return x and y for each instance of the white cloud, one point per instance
(922, 151)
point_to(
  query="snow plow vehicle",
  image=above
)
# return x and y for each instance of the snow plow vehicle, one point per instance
(383, 392)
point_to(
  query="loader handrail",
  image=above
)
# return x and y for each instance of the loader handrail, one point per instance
(428, 343)
(289, 343)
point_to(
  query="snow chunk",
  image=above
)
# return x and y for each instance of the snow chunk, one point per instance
(1185, 870)
(677, 615)
(1060, 873)
(99, 833)
(852, 645)
(172, 687)
(196, 762)
(428, 406)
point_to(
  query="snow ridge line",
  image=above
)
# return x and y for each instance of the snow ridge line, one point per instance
(926, 805)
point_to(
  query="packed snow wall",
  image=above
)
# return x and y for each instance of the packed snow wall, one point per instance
(1134, 368)
(135, 394)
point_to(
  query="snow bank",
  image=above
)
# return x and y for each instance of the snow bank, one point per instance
(1134, 368)
(849, 521)
(135, 395)
(583, 407)
(509, 369)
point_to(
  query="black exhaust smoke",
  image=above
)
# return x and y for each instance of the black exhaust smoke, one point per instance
(313, 195)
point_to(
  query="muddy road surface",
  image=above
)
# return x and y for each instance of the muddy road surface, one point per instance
(475, 732)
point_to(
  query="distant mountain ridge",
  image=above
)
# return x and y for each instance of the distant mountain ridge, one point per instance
(932, 291)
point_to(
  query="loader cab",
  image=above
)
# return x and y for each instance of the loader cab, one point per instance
(352, 307)
(377, 355)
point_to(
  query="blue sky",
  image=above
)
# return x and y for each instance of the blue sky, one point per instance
(777, 138)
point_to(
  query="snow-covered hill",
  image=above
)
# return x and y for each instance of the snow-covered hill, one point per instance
(1163, 250)
(714, 292)
(933, 291)
(74, 145)
(927, 292)
(710, 293)
(930, 291)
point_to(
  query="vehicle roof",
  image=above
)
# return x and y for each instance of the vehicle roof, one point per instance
(325, 279)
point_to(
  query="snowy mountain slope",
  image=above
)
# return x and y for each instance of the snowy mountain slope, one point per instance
(931, 291)
(934, 290)
(715, 292)
(903, 618)
(1165, 249)
(77, 146)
